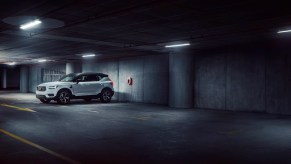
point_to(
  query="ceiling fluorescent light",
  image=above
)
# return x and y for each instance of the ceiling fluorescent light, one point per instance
(30, 24)
(11, 63)
(88, 55)
(177, 45)
(284, 31)
(42, 60)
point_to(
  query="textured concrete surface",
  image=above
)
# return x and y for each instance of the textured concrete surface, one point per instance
(14, 80)
(181, 81)
(250, 80)
(131, 67)
(9, 76)
(278, 83)
(254, 79)
(149, 74)
(139, 133)
(245, 82)
(257, 80)
(73, 67)
(4, 78)
(156, 79)
(210, 81)
(24, 79)
(34, 77)
(1, 77)
(35, 73)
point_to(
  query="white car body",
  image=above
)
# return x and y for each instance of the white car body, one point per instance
(80, 89)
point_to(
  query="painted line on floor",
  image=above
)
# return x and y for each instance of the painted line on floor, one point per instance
(144, 118)
(18, 108)
(69, 160)
(232, 132)
(93, 111)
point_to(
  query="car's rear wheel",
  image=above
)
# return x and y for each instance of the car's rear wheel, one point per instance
(106, 95)
(64, 97)
(45, 101)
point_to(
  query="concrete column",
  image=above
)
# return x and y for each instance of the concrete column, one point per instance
(4, 79)
(69, 68)
(181, 73)
(73, 68)
(24, 79)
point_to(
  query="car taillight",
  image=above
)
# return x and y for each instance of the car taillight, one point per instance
(112, 83)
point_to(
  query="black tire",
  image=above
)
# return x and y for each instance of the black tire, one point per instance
(87, 99)
(106, 95)
(45, 101)
(63, 97)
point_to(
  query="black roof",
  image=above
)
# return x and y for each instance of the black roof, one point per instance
(93, 73)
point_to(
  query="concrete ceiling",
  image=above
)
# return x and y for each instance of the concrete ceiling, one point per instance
(117, 28)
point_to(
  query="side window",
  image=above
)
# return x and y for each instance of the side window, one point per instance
(82, 78)
(93, 78)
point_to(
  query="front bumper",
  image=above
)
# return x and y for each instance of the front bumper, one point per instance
(40, 96)
(48, 94)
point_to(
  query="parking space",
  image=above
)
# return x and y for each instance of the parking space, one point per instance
(137, 133)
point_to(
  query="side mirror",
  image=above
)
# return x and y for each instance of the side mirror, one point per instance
(78, 80)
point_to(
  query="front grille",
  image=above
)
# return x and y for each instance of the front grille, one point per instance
(41, 88)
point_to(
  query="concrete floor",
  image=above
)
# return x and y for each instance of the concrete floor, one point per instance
(136, 133)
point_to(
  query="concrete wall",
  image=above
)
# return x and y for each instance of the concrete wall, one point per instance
(210, 81)
(108, 67)
(278, 83)
(245, 85)
(134, 68)
(244, 80)
(12, 77)
(34, 77)
(156, 79)
(181, 79)
(149, 74)
(24, 76)
(73, 67)
(254, 79)
(35, 74)
(1, 77)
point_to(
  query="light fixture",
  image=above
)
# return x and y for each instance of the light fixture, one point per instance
(30, 24)
(177, 45)
(42, 60)
(283, 31)
(88, 55)
(11, 63)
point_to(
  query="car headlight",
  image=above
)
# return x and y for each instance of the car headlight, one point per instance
(53, 87)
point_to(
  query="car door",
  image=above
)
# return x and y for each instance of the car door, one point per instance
(82, 87)
(93, 84)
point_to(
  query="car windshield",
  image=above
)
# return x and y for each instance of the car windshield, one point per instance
(68, 78)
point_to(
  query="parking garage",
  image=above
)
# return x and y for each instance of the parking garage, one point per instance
(191, 82)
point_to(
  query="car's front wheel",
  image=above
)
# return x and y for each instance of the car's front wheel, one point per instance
(106, 95)
(64, 97)
(45, 101)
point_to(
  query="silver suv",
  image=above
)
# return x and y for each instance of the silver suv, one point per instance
(77, 86)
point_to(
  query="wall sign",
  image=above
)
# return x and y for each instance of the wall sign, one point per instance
(129, 81)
